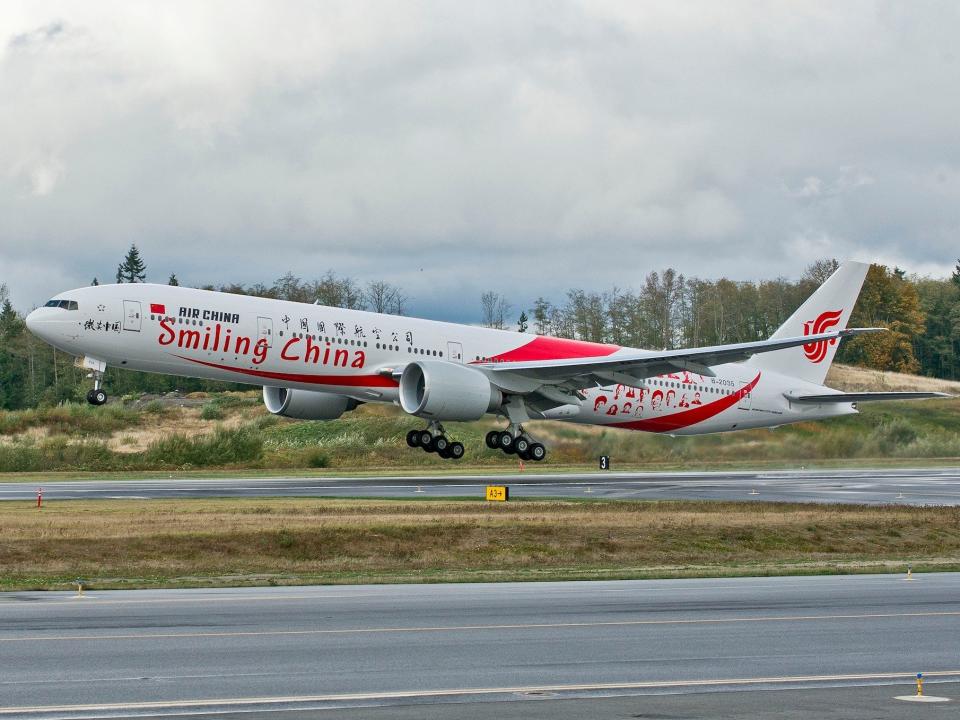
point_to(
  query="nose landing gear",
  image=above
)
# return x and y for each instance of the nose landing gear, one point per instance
(97, 396)
(434, 439)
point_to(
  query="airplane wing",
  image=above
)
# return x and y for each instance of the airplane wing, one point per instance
(633, 367)
(863, 397)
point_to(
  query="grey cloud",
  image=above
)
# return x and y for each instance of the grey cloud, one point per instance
(522, 147)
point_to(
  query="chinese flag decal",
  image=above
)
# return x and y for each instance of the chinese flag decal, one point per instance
(158, 309)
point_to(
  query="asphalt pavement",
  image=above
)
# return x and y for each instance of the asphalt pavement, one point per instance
(907, 486)
(832, 646)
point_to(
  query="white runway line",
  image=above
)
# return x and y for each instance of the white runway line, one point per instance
(222, 703)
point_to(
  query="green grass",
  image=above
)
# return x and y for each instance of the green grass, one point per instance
(71, 419)
(76, 439)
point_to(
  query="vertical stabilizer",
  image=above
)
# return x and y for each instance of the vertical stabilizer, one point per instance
(827, 309)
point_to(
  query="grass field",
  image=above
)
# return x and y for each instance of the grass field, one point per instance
(233, 431)
(294, 541)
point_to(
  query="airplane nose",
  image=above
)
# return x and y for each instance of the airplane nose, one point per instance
(33, 321)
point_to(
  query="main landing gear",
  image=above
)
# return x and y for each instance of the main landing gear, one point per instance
(515, 441)
(434, 439)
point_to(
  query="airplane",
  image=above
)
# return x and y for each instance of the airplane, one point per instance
(316, 363)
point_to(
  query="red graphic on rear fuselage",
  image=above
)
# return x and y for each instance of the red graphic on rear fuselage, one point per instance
(817, 351)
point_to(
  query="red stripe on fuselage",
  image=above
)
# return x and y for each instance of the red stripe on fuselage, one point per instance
(551, 348)
(336, 380)
(676, 421)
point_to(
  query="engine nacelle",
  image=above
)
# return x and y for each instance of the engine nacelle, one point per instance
(306, 404)
(446, 391)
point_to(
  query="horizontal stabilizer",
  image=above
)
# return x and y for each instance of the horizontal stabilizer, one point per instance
(863, 397)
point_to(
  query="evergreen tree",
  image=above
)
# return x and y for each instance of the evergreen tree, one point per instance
(132, 269)
(9, 320)
(541, 316)
(955, 277)
(173, 280)
(522, 322)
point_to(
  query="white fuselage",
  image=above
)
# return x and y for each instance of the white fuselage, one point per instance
(260, 341)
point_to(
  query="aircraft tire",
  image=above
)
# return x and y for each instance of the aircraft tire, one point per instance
(442, 444)
(493, 439)
(507, 442)
(456, 450)
(537, 452)
(413, 438)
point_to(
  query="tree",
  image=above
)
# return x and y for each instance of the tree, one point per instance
(818, 272)
(955, 277)
(382, 297)
(522, 322)
(173, 280)
(890, 301)
(495, 309)
(132, 269)
(541, 316)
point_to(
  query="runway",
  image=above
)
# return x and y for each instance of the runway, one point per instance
(499, 650)
(926, 486)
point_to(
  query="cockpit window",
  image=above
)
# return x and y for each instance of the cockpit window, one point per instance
(65, 304)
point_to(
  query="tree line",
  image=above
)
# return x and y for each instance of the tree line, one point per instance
(672, 311)
(667, 311)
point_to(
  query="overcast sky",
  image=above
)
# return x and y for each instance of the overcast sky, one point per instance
(449, 148)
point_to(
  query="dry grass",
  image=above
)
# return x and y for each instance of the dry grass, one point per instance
(201, 542)
(856, 379)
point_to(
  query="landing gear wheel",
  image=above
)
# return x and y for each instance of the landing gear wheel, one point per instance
(455, 450)
(523, 454)
(507, 442)
(426, 439)
(445, 453)
(97, 397)
(413, 438)
(427, 447)
(537, 452)
(441, 444)
(523, 446)
(493, 439)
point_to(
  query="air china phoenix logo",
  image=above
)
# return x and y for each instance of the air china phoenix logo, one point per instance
(817, 351)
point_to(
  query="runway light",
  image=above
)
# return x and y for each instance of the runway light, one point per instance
(909, 572)
(919, 684)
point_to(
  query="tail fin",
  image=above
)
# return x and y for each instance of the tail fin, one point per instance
(828, 308)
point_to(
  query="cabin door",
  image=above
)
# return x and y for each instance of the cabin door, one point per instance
(131, 315)
(265, 330)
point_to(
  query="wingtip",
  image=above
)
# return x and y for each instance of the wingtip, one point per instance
(851, 332)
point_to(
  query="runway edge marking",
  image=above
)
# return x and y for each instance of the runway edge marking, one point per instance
(581, 687)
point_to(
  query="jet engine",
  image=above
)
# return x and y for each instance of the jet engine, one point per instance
(306, 404)
(440, 390)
